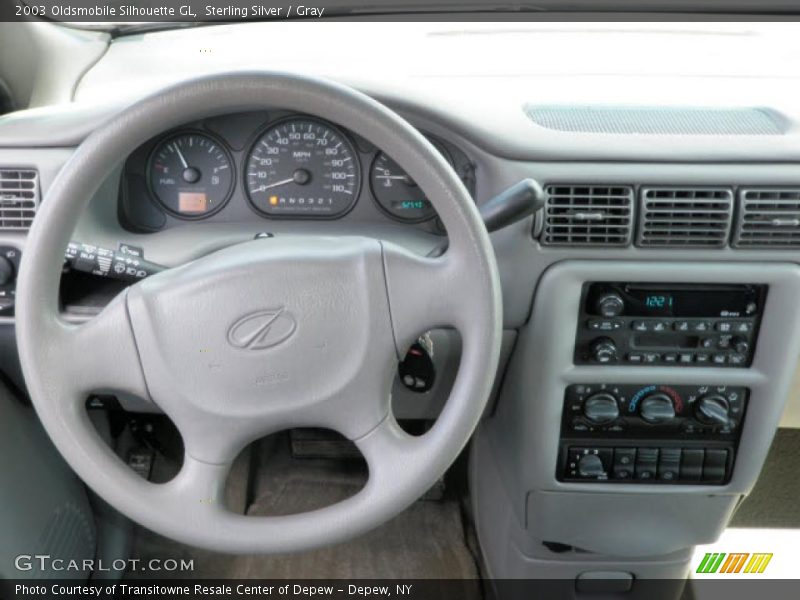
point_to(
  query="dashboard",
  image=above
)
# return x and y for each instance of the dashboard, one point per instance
(272, 165)
(651, 198)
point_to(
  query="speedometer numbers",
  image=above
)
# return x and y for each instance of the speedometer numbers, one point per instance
(191, 175)
(302, 167)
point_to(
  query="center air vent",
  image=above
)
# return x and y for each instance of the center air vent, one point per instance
(768, 218)
(19, 197)
(685, 217)
(580, 215)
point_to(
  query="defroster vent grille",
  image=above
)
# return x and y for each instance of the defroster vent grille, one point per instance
(587, 215)
(685, 217)
(19, 198)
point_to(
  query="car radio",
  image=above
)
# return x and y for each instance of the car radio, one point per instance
(650, 433)
(692, 325)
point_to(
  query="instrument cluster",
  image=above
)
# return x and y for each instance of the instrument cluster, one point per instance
(277, 165)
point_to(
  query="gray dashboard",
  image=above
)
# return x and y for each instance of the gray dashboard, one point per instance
(495, 143)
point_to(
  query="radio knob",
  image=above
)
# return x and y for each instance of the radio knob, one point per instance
(601, 408)
(604, 350)
(712, 410)
(657, 408)
(610, 305)
(741, 345)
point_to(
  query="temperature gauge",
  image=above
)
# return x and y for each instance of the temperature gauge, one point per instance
(397, 194)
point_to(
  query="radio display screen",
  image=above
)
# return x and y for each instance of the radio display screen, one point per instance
(708, 302)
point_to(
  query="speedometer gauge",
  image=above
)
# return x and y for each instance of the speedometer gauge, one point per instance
(302, 167)
(396, 193)
(191, 175)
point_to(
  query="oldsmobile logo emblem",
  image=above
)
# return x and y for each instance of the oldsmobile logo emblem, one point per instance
(262, 329)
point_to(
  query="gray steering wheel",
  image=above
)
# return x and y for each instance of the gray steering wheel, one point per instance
(293, 331)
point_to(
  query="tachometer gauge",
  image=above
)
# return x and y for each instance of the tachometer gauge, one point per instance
(302, 167)
(396, 193)
(191, 175)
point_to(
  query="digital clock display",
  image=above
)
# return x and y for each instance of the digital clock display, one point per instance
(658, 302)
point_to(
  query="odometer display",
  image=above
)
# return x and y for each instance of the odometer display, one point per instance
(302, 167)
(191, 175)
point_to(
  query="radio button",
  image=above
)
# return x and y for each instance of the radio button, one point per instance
(702, 358)
(686, 357)
(670, 357)
(603, 325)
(681, 326)
(659, 326)
(651, 357)
(743, 327)
(701, 326)
(707, 342)
(737, 359)
(720, 359)
(635, 357)
(640, 326)
(724, 326)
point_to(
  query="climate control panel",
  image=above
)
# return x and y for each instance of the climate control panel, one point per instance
(650, 433)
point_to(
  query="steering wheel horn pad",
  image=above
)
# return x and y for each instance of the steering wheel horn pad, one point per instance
(291, 331)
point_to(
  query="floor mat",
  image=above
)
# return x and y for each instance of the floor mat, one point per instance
(773, 502)
(427, 541)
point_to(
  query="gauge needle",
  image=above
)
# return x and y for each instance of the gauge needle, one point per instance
(180, 155)
(277, 183)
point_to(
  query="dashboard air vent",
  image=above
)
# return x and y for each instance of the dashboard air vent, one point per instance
(768, 218)
(581, 215)
(19, 198)
(685, 217)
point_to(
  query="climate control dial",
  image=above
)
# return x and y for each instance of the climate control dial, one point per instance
(601, 408)
(712, 410)
(657, 408)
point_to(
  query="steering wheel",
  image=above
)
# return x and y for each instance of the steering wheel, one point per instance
(266, 335)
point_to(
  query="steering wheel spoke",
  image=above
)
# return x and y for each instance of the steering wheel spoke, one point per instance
(101, 353)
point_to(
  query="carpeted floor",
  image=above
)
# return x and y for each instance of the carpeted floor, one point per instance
(427, 541)
(774, 502)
